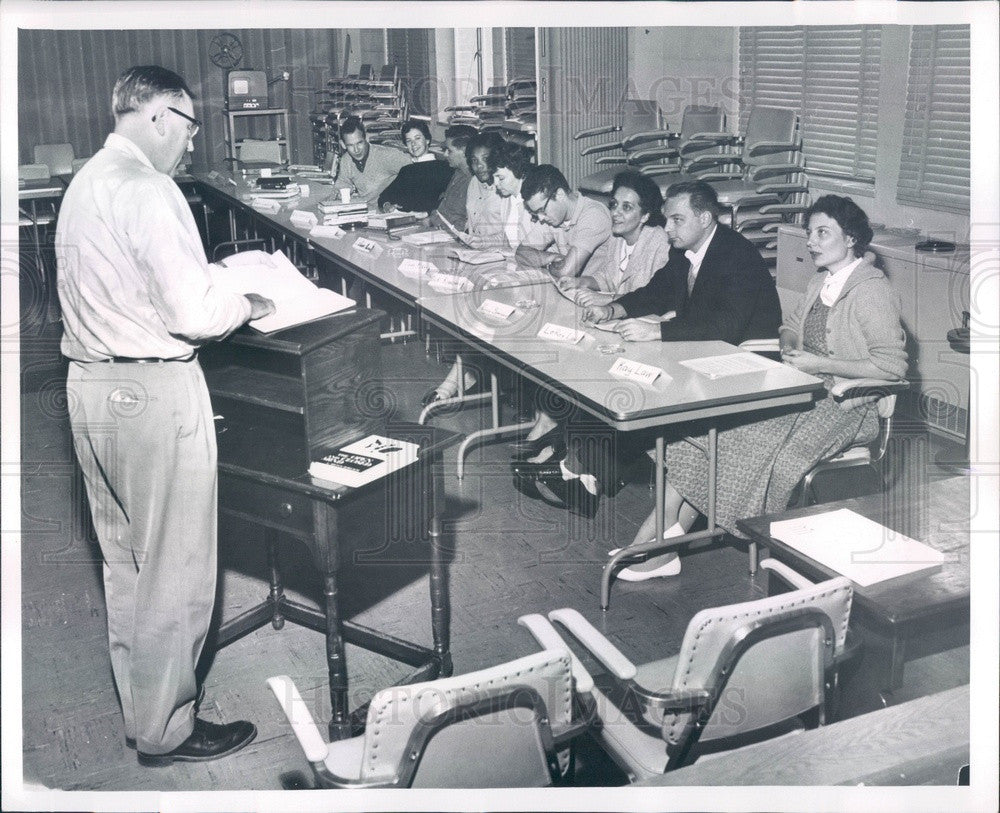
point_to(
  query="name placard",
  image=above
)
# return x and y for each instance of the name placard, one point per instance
(332, 232)
(366, 246)
(214, 176)
(266, 205)
(635, 371)
(304, 219)
(415, 269)
(304, 190)
(265, 172)
(559, 333)
(490, 307)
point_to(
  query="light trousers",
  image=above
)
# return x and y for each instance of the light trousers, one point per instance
(145, 440)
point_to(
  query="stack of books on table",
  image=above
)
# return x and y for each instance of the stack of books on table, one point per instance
(363, 461)
(336, 213)
(275, 187)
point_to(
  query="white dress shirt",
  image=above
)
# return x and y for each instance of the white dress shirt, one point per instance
(696, 257)
(133, 277)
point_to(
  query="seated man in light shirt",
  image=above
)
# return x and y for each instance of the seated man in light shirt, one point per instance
(573, 227)
(365, 168)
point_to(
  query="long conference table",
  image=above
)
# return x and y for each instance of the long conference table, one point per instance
(499, 311)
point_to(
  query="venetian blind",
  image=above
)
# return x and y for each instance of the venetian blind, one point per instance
(934, 167)
(830, 75)
(411, 50)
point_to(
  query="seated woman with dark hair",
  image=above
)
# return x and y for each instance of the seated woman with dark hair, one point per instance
(847, 327)
(419, 185)
(626, 261)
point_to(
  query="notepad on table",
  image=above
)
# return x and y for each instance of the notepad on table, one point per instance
(296, 299)
(728, 364)
(856, 547)
(474, 256)
(426, 238)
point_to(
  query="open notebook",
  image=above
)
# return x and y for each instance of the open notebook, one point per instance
(296, 299)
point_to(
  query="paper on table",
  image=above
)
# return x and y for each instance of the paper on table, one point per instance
(426, 238)
(729, 364)
(296, 299)
(855, 546)
(474, 256)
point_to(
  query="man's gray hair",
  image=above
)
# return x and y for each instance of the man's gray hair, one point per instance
(141, 83)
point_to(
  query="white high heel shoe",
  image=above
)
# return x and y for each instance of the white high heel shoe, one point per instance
(672, 531)
(671, 568)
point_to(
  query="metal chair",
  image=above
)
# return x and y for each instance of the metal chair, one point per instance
(507, 726)
(745, 672)
(58, 157)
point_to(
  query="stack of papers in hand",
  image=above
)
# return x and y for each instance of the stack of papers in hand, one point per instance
(426, 238)
(855, 546)
(296, 299)
(364, 460)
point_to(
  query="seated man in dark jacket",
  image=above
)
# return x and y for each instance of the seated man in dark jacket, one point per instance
(715, 286)
(715, 281)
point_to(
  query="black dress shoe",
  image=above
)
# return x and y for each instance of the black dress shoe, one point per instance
(554, 438)
(544, 481)
(207, 741)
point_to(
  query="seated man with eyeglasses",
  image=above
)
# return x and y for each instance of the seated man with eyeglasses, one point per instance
(573, 227)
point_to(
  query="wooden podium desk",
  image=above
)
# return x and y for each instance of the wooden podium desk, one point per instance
(284, 399)
(933, 605)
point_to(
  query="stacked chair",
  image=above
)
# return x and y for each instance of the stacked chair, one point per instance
(510, 108)
(745, 672)
(644, 144)
(511, 725)
(379, 101)
(762, 185)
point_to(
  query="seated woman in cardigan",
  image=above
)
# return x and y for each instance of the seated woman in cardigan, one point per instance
(847, 327)
(419, 186)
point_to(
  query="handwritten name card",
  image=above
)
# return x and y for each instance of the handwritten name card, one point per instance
(415, 269)
(369, 247)
(304, 219)
(559, 333)
(321, 230)
(635, 371)
(490, 307)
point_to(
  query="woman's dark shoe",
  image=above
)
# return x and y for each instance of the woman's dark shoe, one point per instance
(544, 481)
(207, 741)
(554, 438)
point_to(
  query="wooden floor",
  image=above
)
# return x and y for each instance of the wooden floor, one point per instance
(512, 556)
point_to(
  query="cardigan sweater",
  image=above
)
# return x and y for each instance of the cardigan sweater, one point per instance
(418, 187)
(651, 252)
(863, 323)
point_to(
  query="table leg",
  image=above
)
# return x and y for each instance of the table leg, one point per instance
(325, 531)
(440, 602)
(661, 507)
(277, 593)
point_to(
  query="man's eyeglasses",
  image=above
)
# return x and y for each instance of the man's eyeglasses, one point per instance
(534, 213)
(194, 125)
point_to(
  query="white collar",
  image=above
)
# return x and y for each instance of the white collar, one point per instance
(697, 256)
(835, 281)
(427, 156)
(117, 141)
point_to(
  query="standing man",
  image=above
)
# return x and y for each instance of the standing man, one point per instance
(574, 225)
(715, 280)
(137, 302)
(365, 168)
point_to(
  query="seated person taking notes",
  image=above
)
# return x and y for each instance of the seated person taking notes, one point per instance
(573, 227)
(365, 168)
(418, 186)
(511, 163)
(847, 326)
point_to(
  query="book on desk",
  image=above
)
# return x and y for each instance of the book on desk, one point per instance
(363, 461)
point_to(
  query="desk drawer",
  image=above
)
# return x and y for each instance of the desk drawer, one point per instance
(266, 505)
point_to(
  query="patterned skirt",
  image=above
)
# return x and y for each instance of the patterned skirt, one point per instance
(760, 463)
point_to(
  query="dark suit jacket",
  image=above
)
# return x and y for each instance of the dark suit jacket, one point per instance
(734, 297)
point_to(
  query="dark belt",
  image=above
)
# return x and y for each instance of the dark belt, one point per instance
(147, 360)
